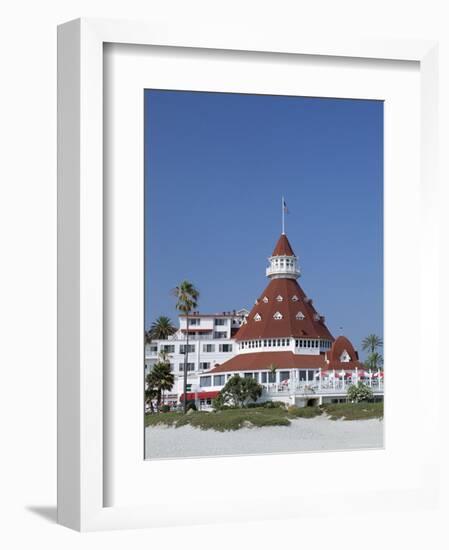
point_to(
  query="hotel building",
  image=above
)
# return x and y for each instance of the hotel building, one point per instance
(283, 343)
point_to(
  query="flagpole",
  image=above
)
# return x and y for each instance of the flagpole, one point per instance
(283, 216)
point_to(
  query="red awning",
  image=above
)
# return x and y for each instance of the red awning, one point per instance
(200, 395)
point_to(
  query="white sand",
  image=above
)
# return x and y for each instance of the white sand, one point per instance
(311, 434)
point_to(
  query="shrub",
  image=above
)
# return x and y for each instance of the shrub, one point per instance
(274, 404)
(238, 391)
(359, 392)
(164, 408)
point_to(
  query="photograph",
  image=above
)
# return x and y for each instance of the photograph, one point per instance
(263, 274)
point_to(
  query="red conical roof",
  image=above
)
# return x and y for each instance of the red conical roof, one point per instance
(333, 356)
(283, 298)
(283, 247)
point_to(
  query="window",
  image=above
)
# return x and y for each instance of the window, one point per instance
(279, 298)
(191, 348)
(263, 377)
(219, 380)
(303, 375)
(284, 375)
(256, 376)
(205, 381)
(204, 366)
(190, 367)
(225, 348)
(300, 316)
(194, 322)
(168, 349)
(271, 377)
(277, 316)
(248, 375)
(257, 317)
(220, 322)
(220, 334)
(316, 316)
(265, 300)
(294, 298)
(209, 348)
(153, 349)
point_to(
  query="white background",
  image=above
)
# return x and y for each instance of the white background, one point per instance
(28, 270)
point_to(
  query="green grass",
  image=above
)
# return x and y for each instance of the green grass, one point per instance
(304, 412)
(234, 419)
(354, 411)
(167, 419)
(225, 420)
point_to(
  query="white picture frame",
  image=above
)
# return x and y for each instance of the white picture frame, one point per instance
(82, 487)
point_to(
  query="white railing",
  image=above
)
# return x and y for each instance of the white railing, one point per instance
(316, 388)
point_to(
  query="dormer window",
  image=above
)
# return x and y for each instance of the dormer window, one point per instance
(295, 298)
(257, 317)
(307, 300)
(317, 317)
(265, 300)
(300, 316)
(277, 316)
(344, 357)
(279, 298)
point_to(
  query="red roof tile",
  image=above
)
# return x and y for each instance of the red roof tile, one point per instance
(289, 325)
(283, 247)
(263, 360)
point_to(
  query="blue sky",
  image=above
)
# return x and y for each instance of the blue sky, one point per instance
(216, 166)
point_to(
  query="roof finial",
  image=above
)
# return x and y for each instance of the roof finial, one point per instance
(284, 211)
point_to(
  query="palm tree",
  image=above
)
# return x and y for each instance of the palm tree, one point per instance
(272, 368)
(150, 394)
(187, 300)
(371, 343)
(160, 329)
(160, 379)
(374, 361)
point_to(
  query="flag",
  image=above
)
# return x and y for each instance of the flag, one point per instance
(284, 206)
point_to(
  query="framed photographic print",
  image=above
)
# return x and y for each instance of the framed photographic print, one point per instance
(269, 362)
(242, 226)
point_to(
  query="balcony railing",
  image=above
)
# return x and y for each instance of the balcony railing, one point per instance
(319, 388)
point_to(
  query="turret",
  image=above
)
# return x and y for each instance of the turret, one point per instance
(283, 262)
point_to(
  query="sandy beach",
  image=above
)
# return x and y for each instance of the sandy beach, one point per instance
(314, 434)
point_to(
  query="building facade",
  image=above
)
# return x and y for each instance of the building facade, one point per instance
(211, 343)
